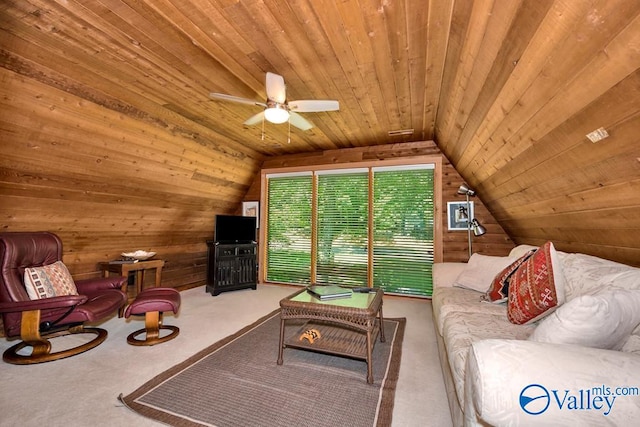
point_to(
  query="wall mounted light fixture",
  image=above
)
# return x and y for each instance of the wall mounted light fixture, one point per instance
(472, 224)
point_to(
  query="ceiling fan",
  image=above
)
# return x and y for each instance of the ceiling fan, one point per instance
(276, 109)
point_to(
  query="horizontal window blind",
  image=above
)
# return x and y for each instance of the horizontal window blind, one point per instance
(403, 222)
(289, 229)
(343, 200)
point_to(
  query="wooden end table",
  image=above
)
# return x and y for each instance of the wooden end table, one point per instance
(139, 267)
(348, 326)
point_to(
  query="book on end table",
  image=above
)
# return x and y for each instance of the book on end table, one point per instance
(328, 292)
(123, 261)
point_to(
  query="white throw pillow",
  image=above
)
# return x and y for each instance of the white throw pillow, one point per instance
(480, 271)
(520, 250)
(605, 320)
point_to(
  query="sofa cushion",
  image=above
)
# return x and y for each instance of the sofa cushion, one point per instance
(480, 271)
(632, 345)
(49, 281)
(463, 329)
(586, 274)
(498, 372)
(499, 290)
(450, 301)
(605, 320)
(537, 287)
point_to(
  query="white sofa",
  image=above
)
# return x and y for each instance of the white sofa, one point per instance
(500, 373)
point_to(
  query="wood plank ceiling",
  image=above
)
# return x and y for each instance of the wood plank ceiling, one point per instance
(508, 89)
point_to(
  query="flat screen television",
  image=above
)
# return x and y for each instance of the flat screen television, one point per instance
(235, 229)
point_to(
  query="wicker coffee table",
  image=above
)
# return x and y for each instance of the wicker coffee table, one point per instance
(347, 326)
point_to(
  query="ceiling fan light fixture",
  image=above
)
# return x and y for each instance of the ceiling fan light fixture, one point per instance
(276, 114)
(276, 108)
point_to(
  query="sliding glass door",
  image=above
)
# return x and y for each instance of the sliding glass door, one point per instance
(370, 226)
(403, 223)
(343, 227)
(289, 228)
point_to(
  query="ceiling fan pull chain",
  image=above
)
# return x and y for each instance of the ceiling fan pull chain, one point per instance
(262, 128)
(289, 135)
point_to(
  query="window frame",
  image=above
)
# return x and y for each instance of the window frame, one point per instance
(436, 161)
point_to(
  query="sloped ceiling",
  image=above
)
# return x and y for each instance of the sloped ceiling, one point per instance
(508, 89)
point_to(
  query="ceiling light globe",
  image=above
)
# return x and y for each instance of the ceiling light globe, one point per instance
(276, 115)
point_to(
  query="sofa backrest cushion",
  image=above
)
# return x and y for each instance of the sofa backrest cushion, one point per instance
(588, 275)
(444, 274)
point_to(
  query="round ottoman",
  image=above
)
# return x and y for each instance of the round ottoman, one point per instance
(152, 302)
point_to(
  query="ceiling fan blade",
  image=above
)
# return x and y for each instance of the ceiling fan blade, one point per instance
(298, 121)
(255, 119)
(313, 106)
(276, 89)
(237, 99)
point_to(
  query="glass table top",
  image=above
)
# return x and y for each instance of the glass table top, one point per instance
(356, 300)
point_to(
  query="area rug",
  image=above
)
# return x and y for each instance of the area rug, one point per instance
(236, 382)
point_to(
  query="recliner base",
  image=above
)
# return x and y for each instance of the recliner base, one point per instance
(42, 347)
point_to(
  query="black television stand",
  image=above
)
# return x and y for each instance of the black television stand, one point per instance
(231, 266)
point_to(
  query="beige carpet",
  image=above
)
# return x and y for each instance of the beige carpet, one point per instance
(83, 390)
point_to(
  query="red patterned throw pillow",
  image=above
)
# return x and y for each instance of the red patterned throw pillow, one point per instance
(499, 290)
(537, 287)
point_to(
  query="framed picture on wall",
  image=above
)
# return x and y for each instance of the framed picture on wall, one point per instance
(455, 221)
(251, 209)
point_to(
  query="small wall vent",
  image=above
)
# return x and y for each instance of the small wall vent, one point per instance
(401, 132)
(598, 135)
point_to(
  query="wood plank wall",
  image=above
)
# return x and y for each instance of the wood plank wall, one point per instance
(455, 246)
(111, 178)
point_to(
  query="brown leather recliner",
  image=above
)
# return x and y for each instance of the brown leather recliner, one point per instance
(34, 321)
